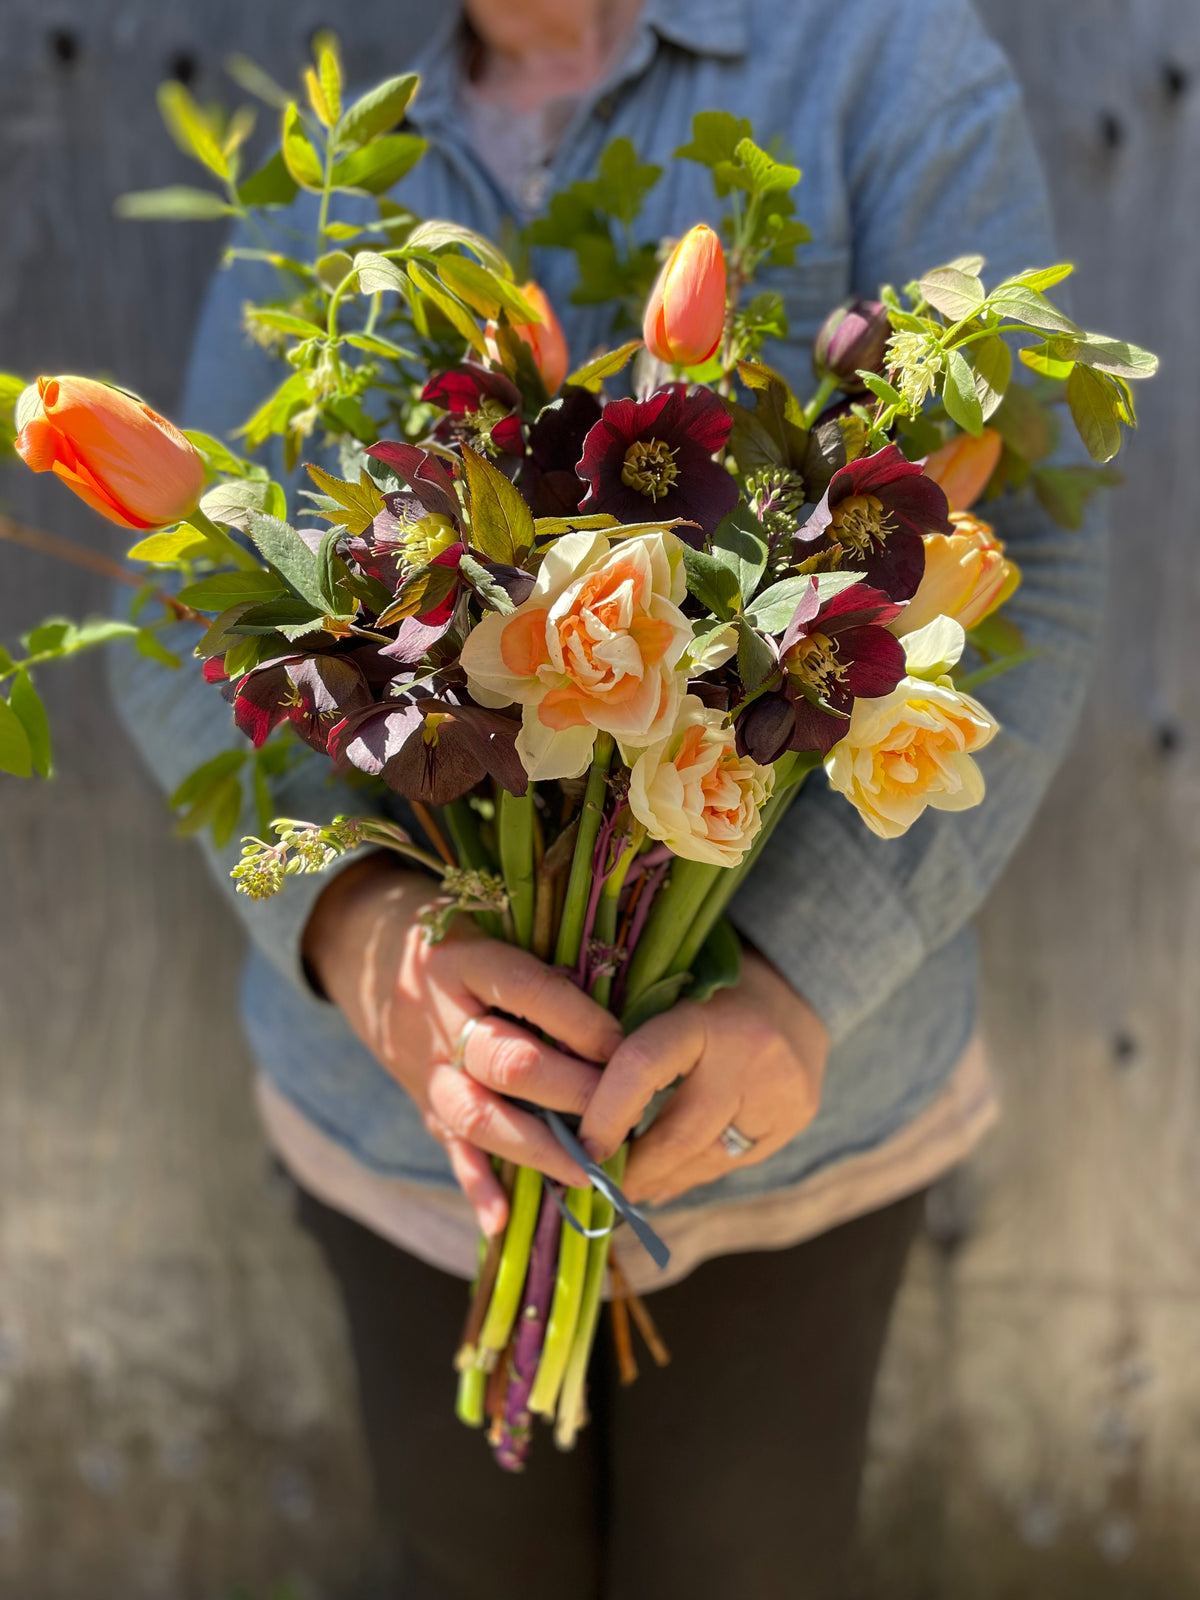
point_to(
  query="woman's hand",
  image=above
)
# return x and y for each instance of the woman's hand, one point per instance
(753, 1055)
(408, 1001)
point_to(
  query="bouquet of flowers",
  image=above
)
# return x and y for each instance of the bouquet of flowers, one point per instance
(595, 643)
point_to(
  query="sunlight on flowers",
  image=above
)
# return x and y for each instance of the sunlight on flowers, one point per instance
(967, 577)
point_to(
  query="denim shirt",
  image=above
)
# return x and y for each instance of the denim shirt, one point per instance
(908, 124)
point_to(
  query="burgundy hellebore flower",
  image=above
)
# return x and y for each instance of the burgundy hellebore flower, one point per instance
(430, 748)
(831, 655)
(482, 408)
(647, 460)
(852, 339)
(548, 478)
(877, 509)
(314, 693)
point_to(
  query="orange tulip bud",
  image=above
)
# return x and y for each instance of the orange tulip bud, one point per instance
(964, 466)
(128, 463)
(967, 577)
(685, 317)
(545, 339)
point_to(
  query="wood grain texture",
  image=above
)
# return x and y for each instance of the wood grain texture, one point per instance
(175, 1403)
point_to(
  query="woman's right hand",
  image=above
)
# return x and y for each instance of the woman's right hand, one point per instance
(408, 1001)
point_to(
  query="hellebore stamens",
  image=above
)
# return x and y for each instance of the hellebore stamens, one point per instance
(813, 663)
(650, 468)
(861, 524)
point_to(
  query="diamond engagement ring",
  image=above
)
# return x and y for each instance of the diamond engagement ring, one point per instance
(735, 1143)
(457, 1059)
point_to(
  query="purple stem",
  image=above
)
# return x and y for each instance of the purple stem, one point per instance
(658, 873)
(517, 1428)
(600, 872)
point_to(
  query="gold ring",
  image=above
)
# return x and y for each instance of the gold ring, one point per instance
(457, 1059)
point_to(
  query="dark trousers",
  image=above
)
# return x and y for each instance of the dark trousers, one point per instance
(732, 1474)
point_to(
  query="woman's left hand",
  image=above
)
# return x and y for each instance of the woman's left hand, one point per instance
(752, 1057)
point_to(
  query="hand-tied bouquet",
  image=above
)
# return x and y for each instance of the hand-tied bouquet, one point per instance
(596, 644)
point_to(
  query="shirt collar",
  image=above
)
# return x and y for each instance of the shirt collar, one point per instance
(702, 27)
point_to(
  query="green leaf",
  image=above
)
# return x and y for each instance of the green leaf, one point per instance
(1018, 300)
(621, 183)
(374, 345)
(224, 589)
(1064, 491)
(218, 457)
(218, 809)
(1116, 356)
(1024, 424)
(501, 521)
(485, 586)
(555, 527)
(300, 157)
(234, 503)
(996, 635)
(959, 396)
(1091, 402)
(148, 644)
(659, 997)
(379, 165)
(274, 414)
(712, 583)
(271, 185)
(332, 269)
(777, 411)
(715, 137)
(16, 755)
(1040, 278)
(379, 110)
(329, 72)
(360, 501)
(430, 238)
(776, 606)
(175, 203)
(881, 388)
(190, 129)
(992, 361)
(27, 705)
(753, 169)
(592, 374)
(459, 318)
(953, 292)
(484, 290)
(292, 618)
(755, 658)
(1048, 361)
(420, 592)
(287, 552)
(377, 274)
(96, 631)
(718, 963)
(740, 545)
(335, 576)
(166, 549)
(285, 322)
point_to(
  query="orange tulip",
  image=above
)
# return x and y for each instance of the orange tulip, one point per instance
(685, 317)
(963, 467)
(545, 339)
(128, 463)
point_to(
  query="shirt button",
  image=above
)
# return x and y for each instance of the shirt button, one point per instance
(534, 187)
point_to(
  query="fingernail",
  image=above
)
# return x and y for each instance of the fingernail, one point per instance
(494, 1218)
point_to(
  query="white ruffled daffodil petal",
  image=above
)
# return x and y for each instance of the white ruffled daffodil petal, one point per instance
(911, 749)
(931, 651)
(598, 646)
(694, 792)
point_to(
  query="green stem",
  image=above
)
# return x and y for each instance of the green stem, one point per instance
(605, 929)
(572, 1399)
(468, 847)
(229, 547)
(579, 884)
(825, 390)
(472, 1388)
(676, 906)
(564, 1309)
(514, 1264)
(514, 828)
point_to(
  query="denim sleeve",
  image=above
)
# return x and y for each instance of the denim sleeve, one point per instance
(175, 719)
(940, 163)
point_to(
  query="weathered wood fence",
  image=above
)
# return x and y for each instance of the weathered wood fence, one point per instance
(175, 1417)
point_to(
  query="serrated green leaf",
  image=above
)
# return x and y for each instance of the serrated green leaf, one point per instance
(755, 658)
(953, 292)
(358, 503)
(190, 129)
(380, 164)
(1092, 407)
(224, 589)
(712, 584)
(740, 544)
(959, 396)
(379, 110)
(715, 137)
(335, 578)
(485, 586)
(174, 203)
(592, 374)
(288, 554)
(16, 756)
(271, 185)
(991, 360)
(300, 156)
(501, 521)
(27, 704)
(764, 175)
(1027, 305)
(420, 592)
